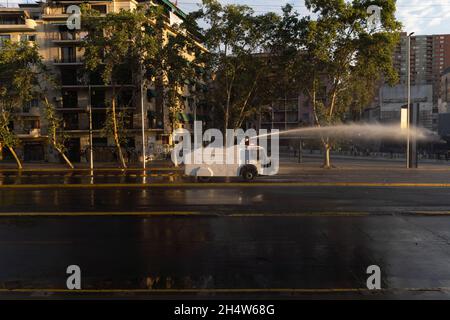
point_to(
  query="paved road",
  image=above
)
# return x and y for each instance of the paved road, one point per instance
(266, 239)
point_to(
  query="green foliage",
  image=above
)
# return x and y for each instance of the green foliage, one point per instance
(123, 38)
(137, 39)
(123, 122)
(235, 37)
(20, 69)
(55, 132)
(336, 50)
(177, 63)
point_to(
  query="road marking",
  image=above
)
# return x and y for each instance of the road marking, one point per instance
(344, 214)
(302, 214)
(224, 290)
(432, 213)
(88, 170)
(223, 185)
(93, 214)
(77, 175)
(184, 213)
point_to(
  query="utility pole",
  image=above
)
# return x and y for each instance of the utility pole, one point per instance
(300, 151)
(408, 125)
(91, 147)
(143, 126)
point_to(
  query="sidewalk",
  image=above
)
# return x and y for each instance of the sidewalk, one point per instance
(369, 160)
(84, 166)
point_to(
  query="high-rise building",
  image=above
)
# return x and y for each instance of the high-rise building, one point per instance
(429, 57)
(45, 24)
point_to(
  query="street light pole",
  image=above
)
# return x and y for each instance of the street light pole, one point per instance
(91, 148)
(143, 127)
(408, 125)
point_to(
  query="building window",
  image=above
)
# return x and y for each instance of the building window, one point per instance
(68, 54)
(70, 99)
(70, 121)
(68, 35)
(29, 125)
(98, 120)
(33, 103)
(28, 37)
(125, 99)
(100, 8)
(69, 77)
(100, 142)
(12, 20)
(98, 98)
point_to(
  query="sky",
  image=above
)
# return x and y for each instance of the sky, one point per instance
(419, 16)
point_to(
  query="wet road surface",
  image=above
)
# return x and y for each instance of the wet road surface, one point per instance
(195, 256)
(214, 240)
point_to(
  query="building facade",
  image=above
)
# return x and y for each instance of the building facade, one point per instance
(429, 57)
(81, 104)
(392, 99)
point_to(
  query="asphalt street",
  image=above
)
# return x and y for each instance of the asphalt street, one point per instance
(311, 234)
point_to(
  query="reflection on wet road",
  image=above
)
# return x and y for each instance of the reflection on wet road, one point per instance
(225, 252)
(223, 200)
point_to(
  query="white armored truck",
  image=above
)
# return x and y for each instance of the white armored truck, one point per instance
(246, 161)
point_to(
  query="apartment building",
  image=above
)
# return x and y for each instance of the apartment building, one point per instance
(289, 113)
(429, 57)
(444, 105)
(82, 103)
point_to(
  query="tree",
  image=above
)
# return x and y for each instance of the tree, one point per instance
(177, 62)
(55, 131)
(23, 77)
(116, 46)
(235, 38)
(335, 58)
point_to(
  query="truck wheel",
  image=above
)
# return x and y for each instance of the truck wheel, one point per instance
(248, 174)
(204, 179)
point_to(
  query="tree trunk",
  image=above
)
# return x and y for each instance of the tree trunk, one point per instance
(225, 127)
(327, 158)
(53, 139)
(19, 163)
(116, 133)
(65, 158)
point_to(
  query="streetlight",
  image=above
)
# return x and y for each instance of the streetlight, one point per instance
(408, 125)
(143, 127)
(91, 147)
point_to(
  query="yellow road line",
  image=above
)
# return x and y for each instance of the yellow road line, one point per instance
(81, 214)
(88, 170)
(222, 290)
(224, 185)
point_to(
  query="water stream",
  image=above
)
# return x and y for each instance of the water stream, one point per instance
(361, 131)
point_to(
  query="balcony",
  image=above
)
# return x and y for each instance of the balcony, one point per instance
(67, 61)
(27, 25)
(67, 38)
(29, 133)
